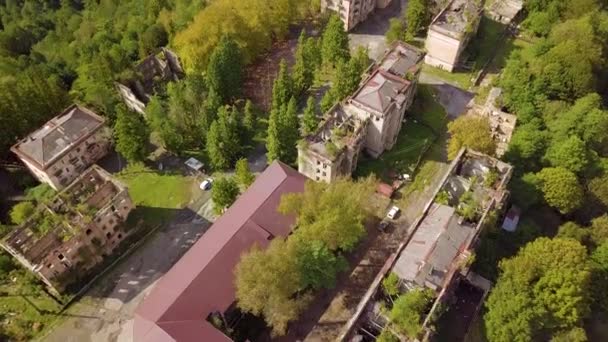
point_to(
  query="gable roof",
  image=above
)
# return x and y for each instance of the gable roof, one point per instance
(58, 135)
(202, 281)
(380, 91)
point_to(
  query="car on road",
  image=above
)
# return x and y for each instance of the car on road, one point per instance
(384, 225)
(206, 184)
(393, 212)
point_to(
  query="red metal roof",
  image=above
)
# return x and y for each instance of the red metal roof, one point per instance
(201, 282)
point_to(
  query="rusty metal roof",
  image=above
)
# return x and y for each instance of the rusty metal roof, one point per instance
(202, 280)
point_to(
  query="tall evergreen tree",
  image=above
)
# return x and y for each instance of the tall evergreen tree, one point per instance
(303, 69)
(249, 121)
(335, 42)
(309, 119)
(223, 140)
(273, 139)
(282, 88)
(132, 135)
(225, 70)
(290, 132)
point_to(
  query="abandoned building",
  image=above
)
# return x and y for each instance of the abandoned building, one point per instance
(438, 254)
(155, 70)
(185, 305)
(371, 118)
(450, 32)
(385, 95)
(333, 150)
(503, 11)
(353, 12)
(66, 238)
(65, 146)
(502, 124)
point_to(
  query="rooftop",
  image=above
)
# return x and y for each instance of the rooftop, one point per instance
(402, 59)
(58, 135)
(506, 9)
(456, 19)
(177, 308)
(339, 130)
(381, 91)
(66, 214)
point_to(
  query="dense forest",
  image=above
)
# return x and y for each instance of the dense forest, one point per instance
(55, 52)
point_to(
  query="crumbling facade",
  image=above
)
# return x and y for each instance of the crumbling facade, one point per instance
(503, 11)
(72, 234)
(378, 107)
(65, 146)
(502, 124)
(333, 150)
(154, 70)
(450, 31)
(353, 12)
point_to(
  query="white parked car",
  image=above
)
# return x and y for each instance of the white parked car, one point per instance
(206, 184)
(393, 213)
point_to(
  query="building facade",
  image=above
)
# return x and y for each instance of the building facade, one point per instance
(65, 146)
(450, 31)
(333, 150)
(65, 239)
(353, 12)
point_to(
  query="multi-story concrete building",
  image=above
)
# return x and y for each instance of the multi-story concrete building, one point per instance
(375, 114)
(333, 150)
(72, 234)
(352, 12)
(65, 146)
(387, 91)
(450, 31)
(154, 70)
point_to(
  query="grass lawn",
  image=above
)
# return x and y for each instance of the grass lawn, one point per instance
(427, 119)
(156, 193)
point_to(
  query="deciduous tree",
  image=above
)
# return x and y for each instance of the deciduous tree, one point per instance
(561, 189)
(472, 132)
(21, 212)
(132, 135)
(408, 311)
(223, 193)
(243, 174)
(224, 71)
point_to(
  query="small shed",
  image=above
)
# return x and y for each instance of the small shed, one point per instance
(194, 164)
(511, 219)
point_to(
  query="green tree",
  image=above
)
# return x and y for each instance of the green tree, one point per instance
(303, 70)
(282, 88)
(472, 132)
(598, 188)
(561, 189)
(223, 193)
(527, 146)
(273, 140)
(317, 265)
(572, 230)
(330, 213)
(387, 336)
(132, 135)
(416, 16)
(310, 121)
(570, 154)
(396, 28)
(290, 132)
(223, 140)
(225, 70)
(543, 289)
(243, 174)
(21, 212)
(390, 284)
(599, 229)
(328, 100)
(151, 39)
(268, 284)
(408, 311)
(334, 47)
(249, 121)
(576, 334)
(599, 258)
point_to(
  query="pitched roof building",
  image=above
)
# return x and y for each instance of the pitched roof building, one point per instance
(65, 146)
(201, 284)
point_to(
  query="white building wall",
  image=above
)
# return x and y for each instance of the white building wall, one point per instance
(443, 51)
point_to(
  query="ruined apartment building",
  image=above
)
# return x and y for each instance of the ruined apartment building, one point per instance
(333, 150)
(66, 238)
(353, 12)
(152, 71)
(450, 32)
(65, 146)
(376, 109)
